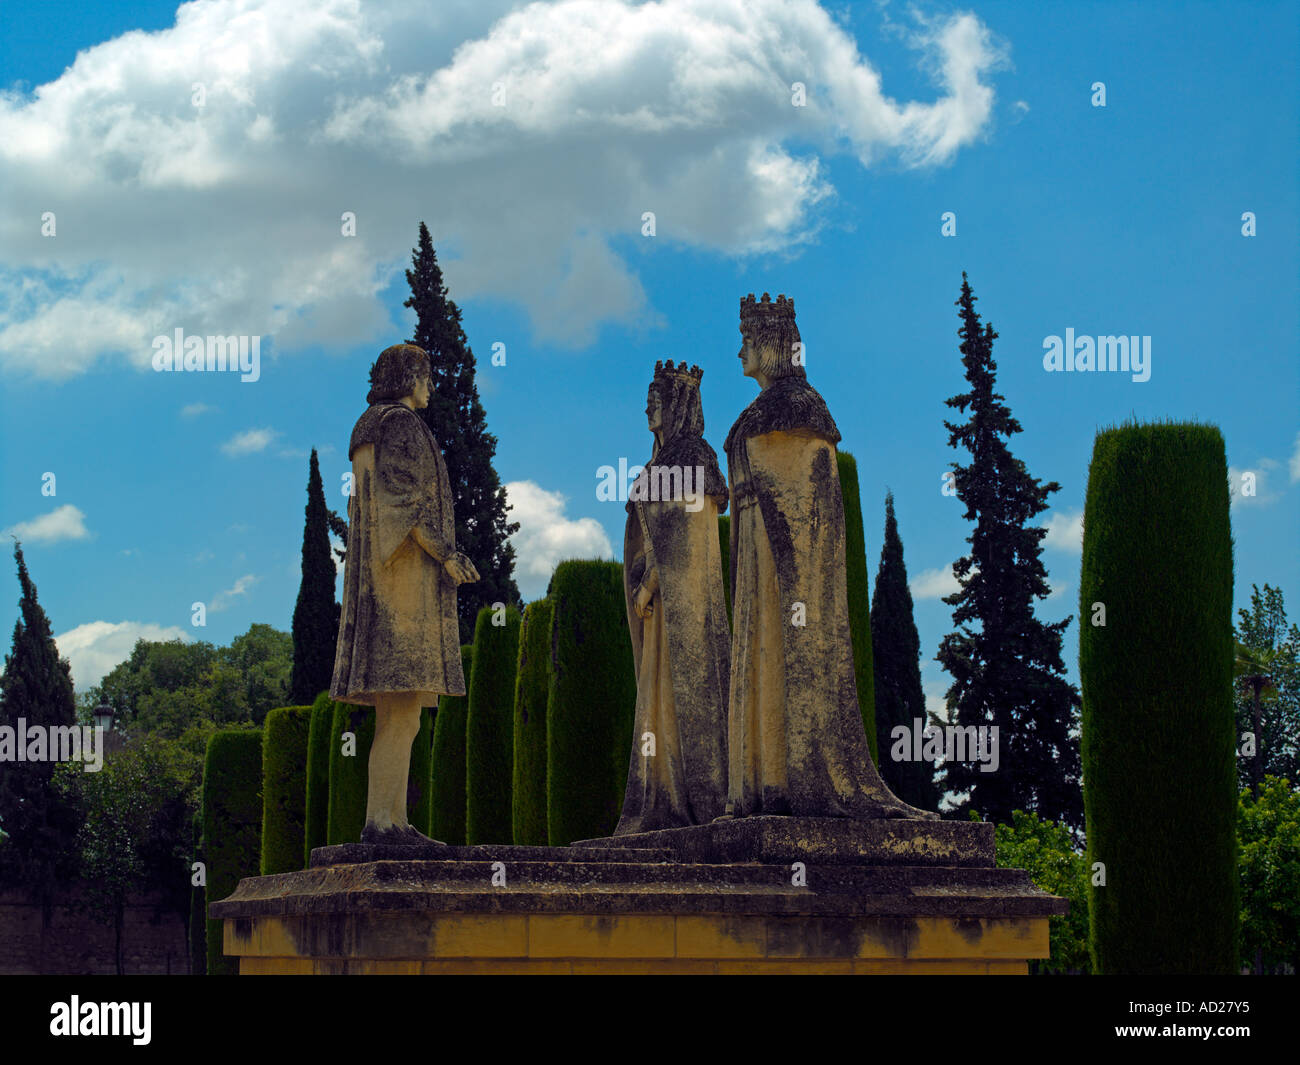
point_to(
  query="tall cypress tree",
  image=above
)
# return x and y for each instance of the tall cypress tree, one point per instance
(316, 615)
(37, 852)
(460, 427)
(1008, 674)
(896, 650)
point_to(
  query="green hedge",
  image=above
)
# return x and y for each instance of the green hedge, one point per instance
(447, 765)
(349, 774)
(419, 806)
(1157, 724)
(489, 732)
(232, 825)
(198, 913)
(532, 677)
(316, 833)
(591, 701)
(859, 597)
(284, 788)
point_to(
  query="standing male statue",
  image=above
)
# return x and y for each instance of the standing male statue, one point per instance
(796, 743)
(399, 640)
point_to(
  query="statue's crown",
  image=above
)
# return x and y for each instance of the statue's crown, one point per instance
(664, 371)
(766, 310)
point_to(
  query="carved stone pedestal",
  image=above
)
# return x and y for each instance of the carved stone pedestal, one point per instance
(762, 894)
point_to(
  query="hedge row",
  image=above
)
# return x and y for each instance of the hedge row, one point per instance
(232, 825)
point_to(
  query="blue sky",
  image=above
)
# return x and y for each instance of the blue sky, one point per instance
(177, 488)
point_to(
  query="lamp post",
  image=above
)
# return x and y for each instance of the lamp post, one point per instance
(104, 717)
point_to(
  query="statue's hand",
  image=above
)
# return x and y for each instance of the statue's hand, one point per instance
(643, 603)
(460, 569)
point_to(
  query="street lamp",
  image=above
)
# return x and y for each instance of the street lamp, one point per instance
(104, 716)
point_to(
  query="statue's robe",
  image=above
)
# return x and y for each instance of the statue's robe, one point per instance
(796, 741)
(398, 631)
(682, 654)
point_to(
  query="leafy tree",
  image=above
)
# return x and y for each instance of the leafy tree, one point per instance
(1268, 695)
(1268, 831)
(1009, 674)
(460, 427)
(316, 614)
(1046, 850)
(896, 649)
(136, 832)
(39, 823)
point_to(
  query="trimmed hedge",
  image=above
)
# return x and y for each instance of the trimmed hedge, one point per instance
(316, 833)
(447, 765)
(418, 797)
(489, 731)
(284, 788)
(532, 677)
(1157, 724)
(198, 912)
(349, 774)
(859, 597)
(591, 701)
(232, 825)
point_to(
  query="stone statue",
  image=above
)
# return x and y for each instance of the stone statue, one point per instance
(795, 736)
(672, 580)
(399, 640)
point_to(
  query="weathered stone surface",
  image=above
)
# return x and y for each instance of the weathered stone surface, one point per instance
(826, 840)
(677, 617)
(796, 743)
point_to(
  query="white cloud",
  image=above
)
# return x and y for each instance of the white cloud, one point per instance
(222, 600)
(934, 583)
(1058, 588)
(249, 441)
(95, 648)
(546, 536)
(1249, 487)
(225, 218)
(1065, 531)
(1295, 460)
(193, 410)
(64, 523)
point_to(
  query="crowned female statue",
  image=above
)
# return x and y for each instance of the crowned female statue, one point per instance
(795, 736)
(672, 581)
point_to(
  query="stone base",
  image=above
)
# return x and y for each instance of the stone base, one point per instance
(866, 897)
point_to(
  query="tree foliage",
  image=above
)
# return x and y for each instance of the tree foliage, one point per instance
(316, 613)
(459, 425)
(1009, 672)
(1269, 866)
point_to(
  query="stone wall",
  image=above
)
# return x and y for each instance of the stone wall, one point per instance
(78, 944)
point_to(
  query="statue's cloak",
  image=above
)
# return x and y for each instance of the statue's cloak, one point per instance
(796, 740)
(398, 631)
(682, 651)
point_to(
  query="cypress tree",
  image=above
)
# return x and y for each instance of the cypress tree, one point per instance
(489, 729)
(459, 425)
(591, 702)
(284, 788)
(232, 826)
(896, 648)
(349, 772)
(38, 852)
(316, 615)
(859, 597)
(1009, 674)
(532, 678)
(1155, 663)
(447, 763)
(316, 832)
